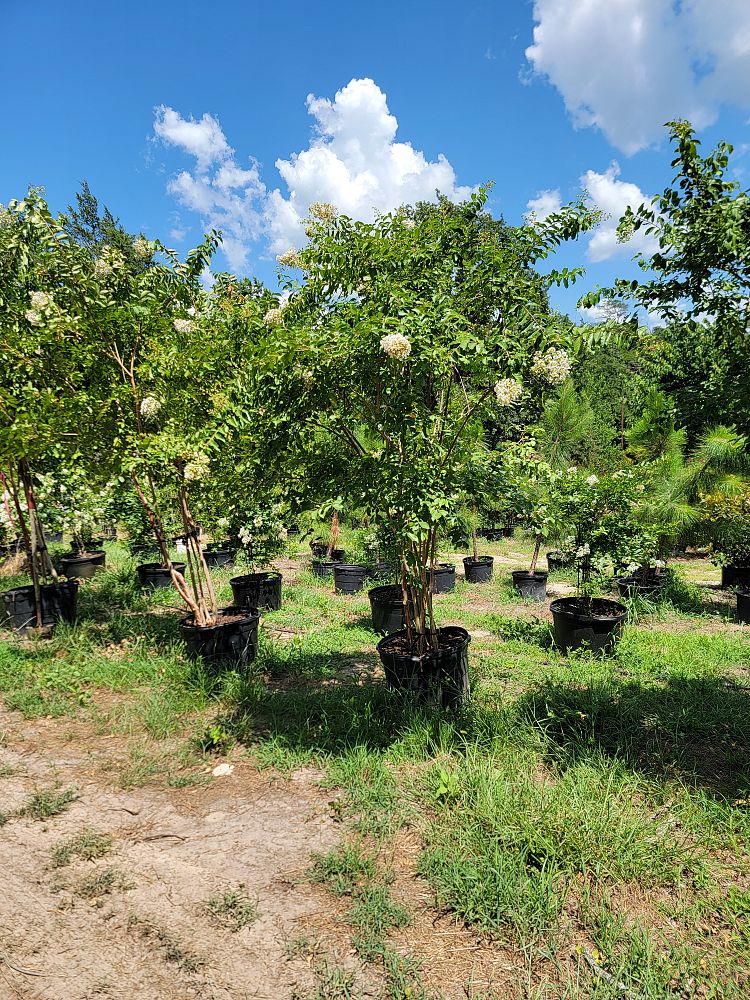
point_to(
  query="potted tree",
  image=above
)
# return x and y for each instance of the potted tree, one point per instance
(596, 509)
(166, 348)
(45, 404)
(402, 339)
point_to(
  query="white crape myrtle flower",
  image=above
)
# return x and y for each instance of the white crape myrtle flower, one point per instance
(572, 470)
(34, 317)
(184, 325)
(659, 564)
(633, 566)
(142, 248)
(592, 480)
(102, 268)
(508, 391)
(410, 224)
(198, 467)
(322, 210)
(150, 406)
(40, 300)
(583, 550)
(552, 367)
(290, 258)
(396, 346)
(273, 316)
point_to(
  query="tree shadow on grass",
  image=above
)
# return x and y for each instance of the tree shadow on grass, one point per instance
(696, 730)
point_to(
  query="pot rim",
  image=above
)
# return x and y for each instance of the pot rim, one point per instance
(248, 613)
(261, 576)
(560, 607)
(158, 565)
(381, 646)
(72, 557)
(538, 574)
(479, 561)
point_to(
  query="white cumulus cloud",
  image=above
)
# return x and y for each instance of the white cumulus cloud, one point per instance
(545, 204)
(628, 66)
(612, 196)
(353, 160)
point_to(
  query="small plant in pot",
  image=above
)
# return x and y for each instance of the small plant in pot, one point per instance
(645, 572)
(87, 507)
(587, 621)
(261, 536)
(729, 518)
(404, 337)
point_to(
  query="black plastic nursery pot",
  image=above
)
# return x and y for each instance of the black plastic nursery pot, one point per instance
(320, 551)
(596, 627)
(743, 606)
(531, 586)
(380, 571)
(257, 590)
(232, 639)
(58, 605)
(440, 675)
(557, 561)
(219, 555)
(637, 586)
(735, 576)
(155, 576)
(323, 568)
(387, 606)
(478, 570)
(82, 565)
(443, 578)
(349, 578)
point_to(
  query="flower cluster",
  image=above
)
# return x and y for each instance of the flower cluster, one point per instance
(273, 316)
(40, 300)
(409, 224)
(323, 210)
(396, 345)
(34, 317)
(592, 480)
(150, 406)
(198, 467)
(552, 367)
(184, 325)
(583, 550)
(142, 248)
(508, 391)
(290, 258)
(109, 260)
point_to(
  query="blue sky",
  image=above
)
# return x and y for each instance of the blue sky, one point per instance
(535, 96)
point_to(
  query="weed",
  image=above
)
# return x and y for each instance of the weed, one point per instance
(232, 909)
(88, 845)
(172, 950)
(102, 883)
(48, 802)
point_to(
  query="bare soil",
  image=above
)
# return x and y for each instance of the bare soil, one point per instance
(147, 933)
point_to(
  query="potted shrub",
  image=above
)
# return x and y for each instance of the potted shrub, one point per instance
(261, 536)
(165, 348)
(598, 509)
(729, 519)
(45, 402)
(404, 337)
(587, 621)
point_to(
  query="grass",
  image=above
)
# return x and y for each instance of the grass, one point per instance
(103, 883)
(232, 909)
(591, 816)
(88, 845)
(48, 802)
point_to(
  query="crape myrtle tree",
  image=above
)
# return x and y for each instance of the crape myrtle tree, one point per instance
(171, 352)
(698, 284)
(45, 363)
(401, 340)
